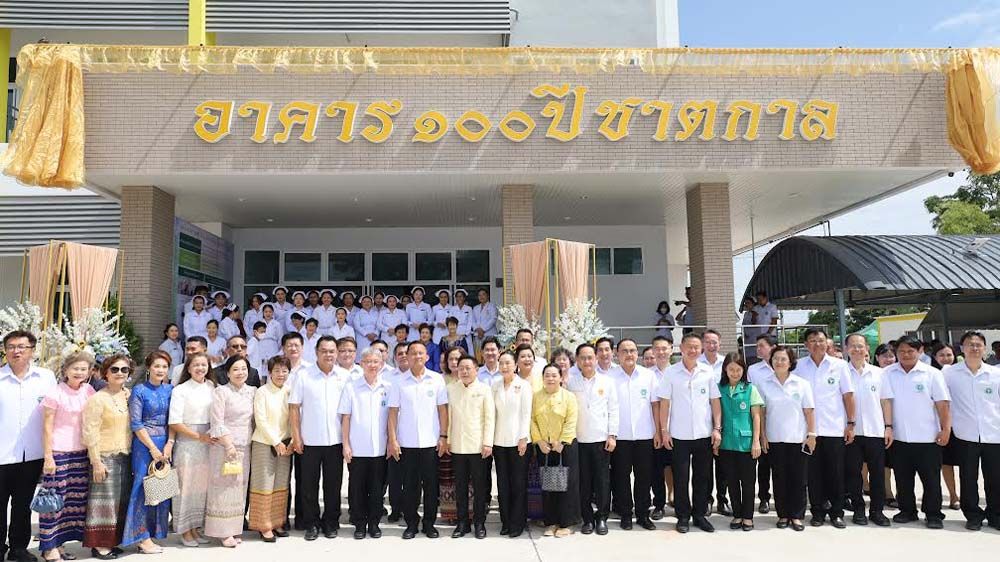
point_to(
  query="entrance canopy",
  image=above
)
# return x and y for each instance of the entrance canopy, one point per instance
(809, 271)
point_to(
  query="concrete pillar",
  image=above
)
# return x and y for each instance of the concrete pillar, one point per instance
(517, 222)
(147, 245)
(710, 253)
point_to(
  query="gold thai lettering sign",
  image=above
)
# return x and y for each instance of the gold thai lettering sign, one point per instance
(815, 119)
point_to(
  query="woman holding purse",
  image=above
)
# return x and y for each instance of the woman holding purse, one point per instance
(108, 439)
(231, 420)
(553, 431)
(149, 406)
(65, 467)
(270, 453)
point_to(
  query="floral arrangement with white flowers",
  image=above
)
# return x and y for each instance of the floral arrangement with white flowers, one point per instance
(94, 332)
(577, 324)
(512, 318)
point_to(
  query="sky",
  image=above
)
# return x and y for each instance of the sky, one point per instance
(846, 23)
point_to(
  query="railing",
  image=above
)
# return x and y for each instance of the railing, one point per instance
(786, 334)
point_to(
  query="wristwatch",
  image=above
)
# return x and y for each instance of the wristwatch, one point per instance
(850, 423)
(888, 426)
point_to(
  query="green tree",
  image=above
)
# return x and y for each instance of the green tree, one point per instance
(857, 318)
(973, 209)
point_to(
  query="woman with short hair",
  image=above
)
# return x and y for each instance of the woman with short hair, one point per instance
(66, 467)
(553, 431)
(512, 400)
(271, 453)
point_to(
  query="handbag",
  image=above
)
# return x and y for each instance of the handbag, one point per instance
(554, 478)
(161, 483)
(233, 467)
(47, 500)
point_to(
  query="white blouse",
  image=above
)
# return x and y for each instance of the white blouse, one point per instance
(513, 405)
(191, 403)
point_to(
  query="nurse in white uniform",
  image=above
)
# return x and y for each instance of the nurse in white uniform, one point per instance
(342, 329)
(326, 314)
(389, 318)
(418, 312)
(366, 324)
(221, 299)
(312, 300)
(348, 298)
(253, 315)
(196, 321)
(230, 326)
(298, 305)
(268, 346)
(281, 305)
(463, 312)
(441, 311)
(483, 321)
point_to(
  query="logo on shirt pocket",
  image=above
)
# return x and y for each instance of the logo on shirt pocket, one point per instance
(831, 380)
(384, 403)
(642, 393)
(919, 387)
(743, 405)
(796, 396)
(600, 392)
(988, 390)
(703, 390)
(874, 389)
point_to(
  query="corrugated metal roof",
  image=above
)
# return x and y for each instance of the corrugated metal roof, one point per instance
(95, 14)
(807, 269)
(32, 221)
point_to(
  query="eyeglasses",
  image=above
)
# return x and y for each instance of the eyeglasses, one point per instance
(237, 346)
(19, 347)
(122, 370)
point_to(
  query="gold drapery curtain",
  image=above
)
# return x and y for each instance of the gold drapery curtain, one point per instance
(573, 258)
(43, 271)
(527, 263)
(91, 269)
(47, 145)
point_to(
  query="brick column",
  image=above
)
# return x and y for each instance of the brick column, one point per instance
(517, 221)
(147, 245)
(710, 253)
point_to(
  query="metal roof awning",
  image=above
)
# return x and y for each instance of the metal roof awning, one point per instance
(808, 271)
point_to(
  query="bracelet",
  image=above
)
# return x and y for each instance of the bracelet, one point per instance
(811, 434)
(850, 423)
(443, 437)
(888, 426)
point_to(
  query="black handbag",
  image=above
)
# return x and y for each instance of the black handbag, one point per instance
(554, 478)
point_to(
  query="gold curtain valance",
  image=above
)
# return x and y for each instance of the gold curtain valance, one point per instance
(47, 145)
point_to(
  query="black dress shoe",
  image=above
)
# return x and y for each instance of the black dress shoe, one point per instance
(764, 507)
(880, 520)
(359, 533)
(409, 533)
(431, 532)
(935, 524)
(312, 533)
(798, 527)
(514, 533)
(374, 531)
(723, 507)
(587, 528)
(480, 531)
(647, 524)
(601, 528)
(657, 514)
(838, 522)
(330, 532)
(704, 524)
(974, 525)
(904, 517)
(817, 520)
(735, 524)
(683, 526)
(272, 538)
(117, 551)
(504, 530)
(458, 532)
(782, 523)
(626, 523)
(280, 532)
(891, 502)
(16, 554)
(859, 518)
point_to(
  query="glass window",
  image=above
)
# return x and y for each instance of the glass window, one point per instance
(346, 267)
(628, 261)
(260, 267)
(603, 264)
(302, 267)
(472, 266)
(390, 267)
(433, 266)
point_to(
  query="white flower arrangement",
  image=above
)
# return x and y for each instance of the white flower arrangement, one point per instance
(94, 332)
(512, 318)
(578, 323)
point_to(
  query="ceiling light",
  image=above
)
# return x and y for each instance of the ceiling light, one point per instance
(793, 194)
(472, 198)
(583, 197)
(242, 199)
(368, 219)
(472, 219)
(355, 199)
(566, 218)
(269, 220)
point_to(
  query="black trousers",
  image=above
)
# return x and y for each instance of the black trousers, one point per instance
(470, 467)
(595, 481)
(563, 508)
(910, 460)
(692, 466)
(764, 477)
(364, 490)
(971, 455)
(295, 497)
(420, 475)
(739, 469)
(720, 481)
(789, 466)
(661, 461)
(826, 477)
(870, 451)
(17, 488)
(329, 462)
(394, 483)
(512, 487)
(632, 458)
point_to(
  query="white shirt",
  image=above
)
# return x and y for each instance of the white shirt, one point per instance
(418, 425)
(870, 388)
(914, 417)
(830, 381)
(765, 314)
(690, 394)
(368, 406)
(344, 331)
(636, 394)
(289, 327)
(175, 349)
(513, 405)
(250, 318)
(484, 316)
(365, 322)
(196, 323)
(21, 413)
(191, 403)
(229, 328)
(309, 346)
(175, 374)
(388, 320)
(784, 420)
(597, 407)
(302, 367)
(326, 316)
(758, 373)
(717, 366)
(418, 314)
(487, 376)
(441, 314)
(217, 348)
(318, 396)
(975, 402)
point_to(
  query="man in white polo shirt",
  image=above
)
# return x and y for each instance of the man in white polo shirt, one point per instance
(975, 414)
(489, 373)
(922, 425)
(663, 478)
(690, 425)
(873, 433)
(22, 387)
(833, 394)
(316, 435)
(292, 349)
(418, 417)
(365, 430)
(597, 434)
